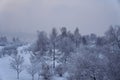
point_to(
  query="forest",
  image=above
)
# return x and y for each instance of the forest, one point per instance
(62, 55)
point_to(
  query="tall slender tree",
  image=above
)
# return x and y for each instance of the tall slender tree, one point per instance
(63, 32)
(41, 45)
(53, 38)
(77, 37)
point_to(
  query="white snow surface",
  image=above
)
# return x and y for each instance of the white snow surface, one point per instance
(7, 73)
(1, 47)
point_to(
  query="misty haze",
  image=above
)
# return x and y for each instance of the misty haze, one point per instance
(59, 39)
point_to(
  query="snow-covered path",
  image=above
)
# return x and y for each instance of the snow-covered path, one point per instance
(5, 72)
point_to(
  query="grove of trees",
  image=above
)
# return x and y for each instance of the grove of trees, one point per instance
(82, 57)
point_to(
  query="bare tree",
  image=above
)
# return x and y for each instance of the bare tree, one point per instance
(17, 64)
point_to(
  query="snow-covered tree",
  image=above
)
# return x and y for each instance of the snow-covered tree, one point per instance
(113, 66)
(17, 64)
(87, 64)
(113, 35)
(66, 46)
(8, 50)
(46, 72)
(63, 32)
(84, 40)
(32, 68)
(41, 45)
(100, 41)
(3, 40)
(93, 37)
(77, 37)
(70, 35)
(15, 40)
(60, 69)
(53, 41)
(39, 69)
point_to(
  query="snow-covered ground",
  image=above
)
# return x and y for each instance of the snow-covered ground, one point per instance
(7, 73)
(1, 47)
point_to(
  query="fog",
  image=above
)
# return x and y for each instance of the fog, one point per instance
(23, 18)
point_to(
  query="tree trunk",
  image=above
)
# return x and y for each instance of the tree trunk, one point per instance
(32, 77)
(17, 75)
(94, 78)
(38, 76)
(65, 60)
(76, 44)
(54, 57)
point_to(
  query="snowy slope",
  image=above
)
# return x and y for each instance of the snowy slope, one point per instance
(7, 73)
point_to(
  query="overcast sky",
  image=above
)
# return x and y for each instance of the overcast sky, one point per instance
(25, 17)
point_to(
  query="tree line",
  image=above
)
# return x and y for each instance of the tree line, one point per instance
(82, 57)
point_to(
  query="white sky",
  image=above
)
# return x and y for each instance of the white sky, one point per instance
(18, 17)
